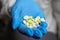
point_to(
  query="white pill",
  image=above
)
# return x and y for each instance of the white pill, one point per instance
(25, 17)
(24, 21)
(38, 17)
(42, 19)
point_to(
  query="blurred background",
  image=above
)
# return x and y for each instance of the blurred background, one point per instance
(51, 9)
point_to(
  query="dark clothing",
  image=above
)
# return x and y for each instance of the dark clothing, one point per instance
(18, 36)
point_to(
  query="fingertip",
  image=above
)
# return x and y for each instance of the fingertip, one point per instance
(44, 24)
(44, 31)
(30, 32)
(14, 26)
(38, 33)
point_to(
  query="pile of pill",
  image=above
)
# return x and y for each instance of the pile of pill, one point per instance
(31, 22)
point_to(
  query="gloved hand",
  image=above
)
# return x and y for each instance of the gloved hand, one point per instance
(29, 18)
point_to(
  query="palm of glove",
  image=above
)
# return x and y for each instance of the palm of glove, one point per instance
(29, 18)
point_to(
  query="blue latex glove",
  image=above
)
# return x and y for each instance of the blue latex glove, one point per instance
(28, 7)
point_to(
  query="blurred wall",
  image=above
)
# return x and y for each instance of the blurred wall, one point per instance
(56, 13)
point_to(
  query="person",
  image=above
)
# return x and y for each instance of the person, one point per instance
(51, 35)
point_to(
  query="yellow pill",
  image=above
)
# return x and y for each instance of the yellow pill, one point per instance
(30, 21)
(38, 20)
(30, 25)
(30, 17)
